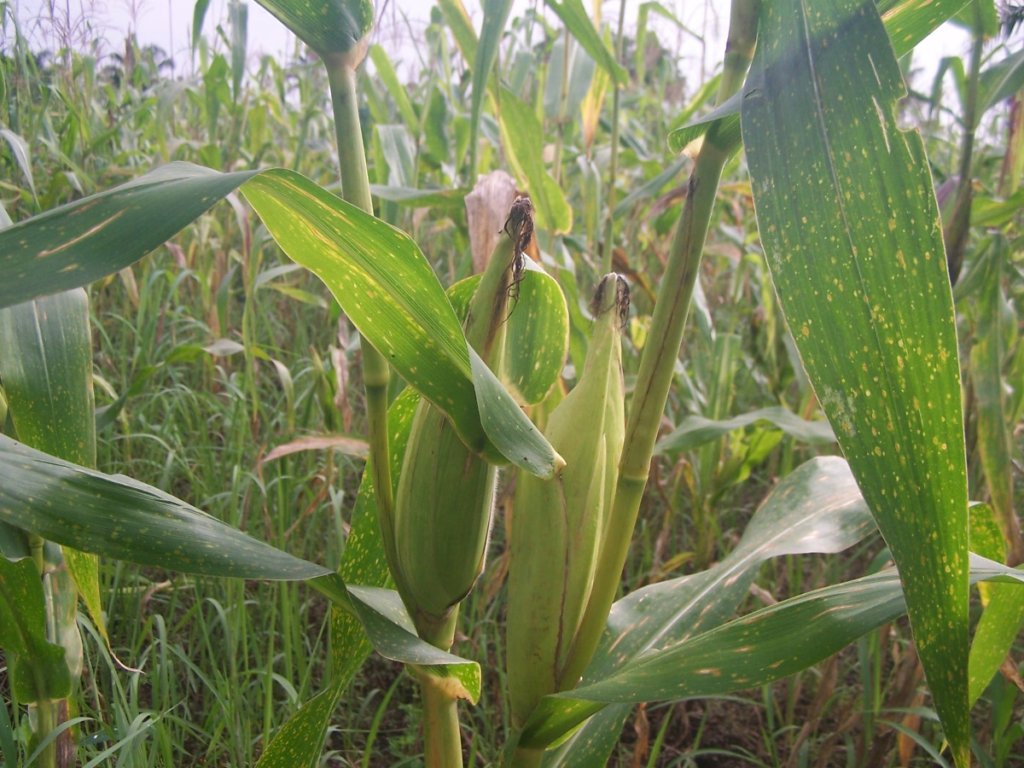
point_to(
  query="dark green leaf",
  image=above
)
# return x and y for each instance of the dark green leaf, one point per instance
(851, 234)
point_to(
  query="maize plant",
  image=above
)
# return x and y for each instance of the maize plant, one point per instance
(851, 238)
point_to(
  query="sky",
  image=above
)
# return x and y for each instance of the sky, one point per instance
(168, 23)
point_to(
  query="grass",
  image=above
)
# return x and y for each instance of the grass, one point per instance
(207, 670)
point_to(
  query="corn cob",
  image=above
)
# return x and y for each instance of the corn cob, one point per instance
(558, 524)
(445, 497)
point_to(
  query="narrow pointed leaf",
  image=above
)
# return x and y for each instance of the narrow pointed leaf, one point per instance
(852, 239)
(523, 138)
(694, 431)
(574, 16)
(816, 508)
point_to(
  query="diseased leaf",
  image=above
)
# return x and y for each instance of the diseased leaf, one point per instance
(377, 273)
(766, 645)
(816, 508)
(73, 245)
(300, 741)
(118, 517)
(852, 239)
(46, 369)
(37, 669)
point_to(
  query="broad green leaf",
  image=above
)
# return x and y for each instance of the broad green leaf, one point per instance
(83, 241)
(118, 517)
(574, 16)
(816, 508)
(523, 139)
(697, 430)
(852, 239)
(387, 289)
(300, 741)
(326, 26)
(537, 337)
(761, 647)
(907, 23)
(394, 289)
(46, 369)
(37, 668)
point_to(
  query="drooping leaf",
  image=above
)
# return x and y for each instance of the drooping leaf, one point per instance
(118, 517)
(22, 156)
(761, 647)
(816, 508)
(850, 228)
(394, 290)
(363, 561)
(999, 82)
(37, 669)
(73, 245)
(387, 289)
(694, 431)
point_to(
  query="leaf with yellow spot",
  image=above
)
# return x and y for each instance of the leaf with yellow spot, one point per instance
(831, 170)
